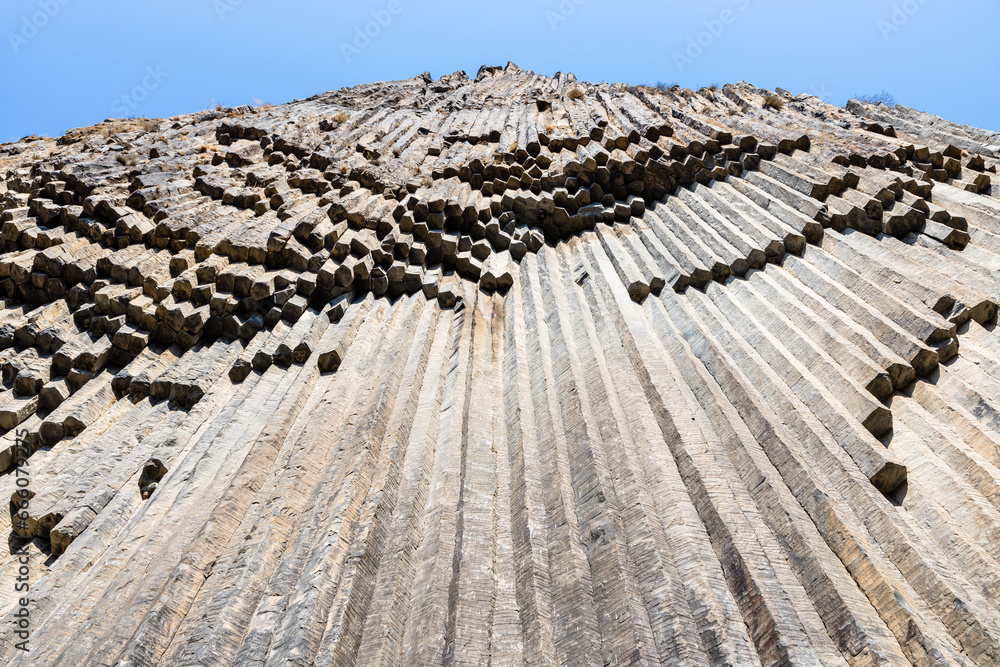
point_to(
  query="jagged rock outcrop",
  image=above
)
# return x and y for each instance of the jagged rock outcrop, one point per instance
(513, 370)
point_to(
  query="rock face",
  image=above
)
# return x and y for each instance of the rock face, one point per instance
(512, 370)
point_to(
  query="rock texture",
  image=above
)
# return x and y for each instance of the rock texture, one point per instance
(513, 370)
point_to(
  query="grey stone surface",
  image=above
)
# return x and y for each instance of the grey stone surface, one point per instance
(505, 370)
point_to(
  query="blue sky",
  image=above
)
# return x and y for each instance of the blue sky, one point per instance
(69, 63)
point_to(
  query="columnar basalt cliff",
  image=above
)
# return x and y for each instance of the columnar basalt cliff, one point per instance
(513, 370)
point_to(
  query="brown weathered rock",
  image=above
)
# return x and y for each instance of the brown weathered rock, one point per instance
(395, 378)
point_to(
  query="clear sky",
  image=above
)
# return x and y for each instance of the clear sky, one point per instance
(69, 63)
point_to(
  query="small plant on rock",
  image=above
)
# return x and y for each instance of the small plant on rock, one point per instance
(879, 98)
(773, 101)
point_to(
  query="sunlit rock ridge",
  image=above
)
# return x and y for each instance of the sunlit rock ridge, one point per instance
(511, 369)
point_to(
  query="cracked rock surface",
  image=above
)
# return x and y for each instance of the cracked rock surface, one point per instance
(508, 370)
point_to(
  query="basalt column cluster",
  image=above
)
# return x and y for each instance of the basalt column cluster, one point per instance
(512, 370)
